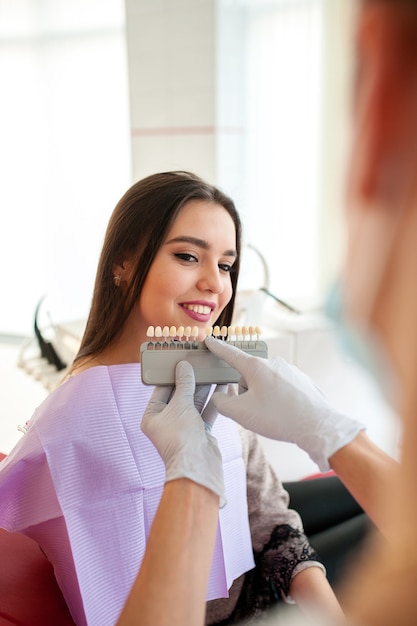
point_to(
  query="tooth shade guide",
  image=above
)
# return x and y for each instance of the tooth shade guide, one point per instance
(178, 337)
(178, 334)
(183, 344)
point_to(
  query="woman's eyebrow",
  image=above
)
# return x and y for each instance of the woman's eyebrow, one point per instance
(201, 243)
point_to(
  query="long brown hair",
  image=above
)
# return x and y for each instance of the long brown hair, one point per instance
(136, 230)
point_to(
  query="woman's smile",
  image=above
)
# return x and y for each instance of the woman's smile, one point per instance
(198, 311)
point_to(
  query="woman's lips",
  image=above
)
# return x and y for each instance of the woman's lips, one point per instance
(198, 312)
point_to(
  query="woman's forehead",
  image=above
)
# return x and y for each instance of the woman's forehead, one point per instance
(204, 217)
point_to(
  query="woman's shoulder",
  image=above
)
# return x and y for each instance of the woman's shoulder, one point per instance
(94, 387)
(80, 393)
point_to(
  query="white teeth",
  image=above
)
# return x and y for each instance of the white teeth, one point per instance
(198, 308)
(239, 333)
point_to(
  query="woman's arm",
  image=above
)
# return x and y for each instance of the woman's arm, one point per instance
(171, 585)
(311, 590)
(277, 532)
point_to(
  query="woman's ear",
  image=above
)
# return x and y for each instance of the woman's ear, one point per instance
(121, 271)
(385, 121)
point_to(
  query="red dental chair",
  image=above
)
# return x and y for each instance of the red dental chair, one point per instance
(29, 593)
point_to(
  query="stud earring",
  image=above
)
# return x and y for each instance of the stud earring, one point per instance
(117, 279)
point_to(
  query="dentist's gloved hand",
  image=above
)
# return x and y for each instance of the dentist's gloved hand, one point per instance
(278, 401)
(173, 423)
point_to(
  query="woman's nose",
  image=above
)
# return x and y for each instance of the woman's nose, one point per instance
(210, 280)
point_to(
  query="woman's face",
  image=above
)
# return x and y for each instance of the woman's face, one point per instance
(189, 282)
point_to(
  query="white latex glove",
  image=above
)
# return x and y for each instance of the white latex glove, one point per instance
(207, 410)
(278, 401)
(174, 425)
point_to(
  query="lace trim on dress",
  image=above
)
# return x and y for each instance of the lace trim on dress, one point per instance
(269, 582)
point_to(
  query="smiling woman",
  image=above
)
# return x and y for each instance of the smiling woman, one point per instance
(170, 257)
(190, 278)
(171, 242)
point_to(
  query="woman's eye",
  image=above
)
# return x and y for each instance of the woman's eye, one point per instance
(184, 256)
(187, 257)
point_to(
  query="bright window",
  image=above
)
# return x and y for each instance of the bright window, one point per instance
(64, 149)
(283, 122)
(293, 109)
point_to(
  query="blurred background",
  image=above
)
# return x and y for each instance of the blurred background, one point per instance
(250, 94)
